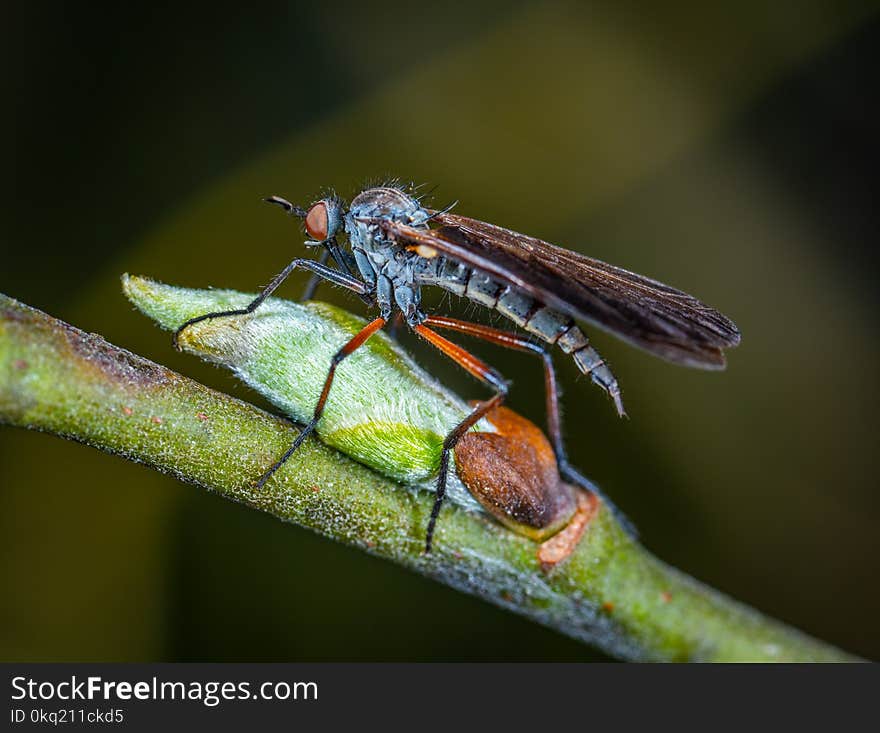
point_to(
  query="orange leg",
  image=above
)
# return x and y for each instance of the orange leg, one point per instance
(518, 342)
(484, 373)
(353, 345)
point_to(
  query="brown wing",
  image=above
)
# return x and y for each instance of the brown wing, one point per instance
(648, 314)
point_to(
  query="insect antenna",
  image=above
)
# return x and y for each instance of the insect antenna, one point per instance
(290, 208)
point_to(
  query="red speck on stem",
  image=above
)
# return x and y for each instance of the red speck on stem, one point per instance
(156, 419)
(126, 410)
(201, 416)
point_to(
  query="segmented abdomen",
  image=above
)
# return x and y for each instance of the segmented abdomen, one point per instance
(546, 323)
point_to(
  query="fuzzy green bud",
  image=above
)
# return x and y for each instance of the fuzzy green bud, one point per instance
(383, 409)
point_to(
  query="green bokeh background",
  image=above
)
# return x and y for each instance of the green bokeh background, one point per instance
(730, 150)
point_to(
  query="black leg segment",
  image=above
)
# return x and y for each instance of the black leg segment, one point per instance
(319, 269)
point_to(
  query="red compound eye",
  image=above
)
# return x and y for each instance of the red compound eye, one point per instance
(316, 222)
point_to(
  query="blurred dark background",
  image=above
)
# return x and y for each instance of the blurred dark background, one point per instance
(730, 150)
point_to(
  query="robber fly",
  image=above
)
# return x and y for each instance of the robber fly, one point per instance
(396, 245)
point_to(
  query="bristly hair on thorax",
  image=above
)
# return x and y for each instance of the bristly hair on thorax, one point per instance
(410, 188)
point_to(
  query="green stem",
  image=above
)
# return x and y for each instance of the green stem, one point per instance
(611, 592)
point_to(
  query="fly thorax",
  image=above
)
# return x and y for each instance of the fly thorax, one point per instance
(383, 263)
(373, 204)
